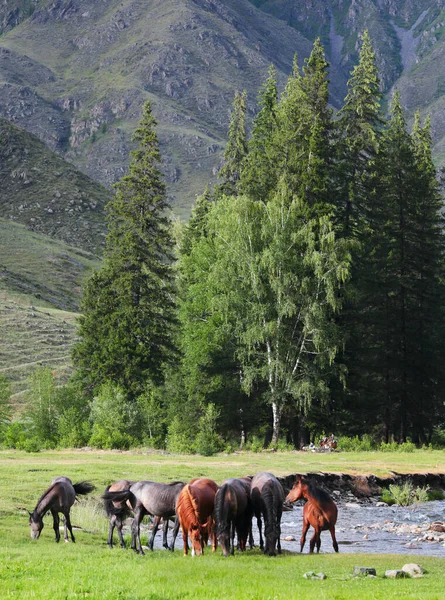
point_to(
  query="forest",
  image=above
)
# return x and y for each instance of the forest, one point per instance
(304, 297)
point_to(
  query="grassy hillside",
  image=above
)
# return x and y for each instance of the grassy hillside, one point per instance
(47, 194)
(40, 285)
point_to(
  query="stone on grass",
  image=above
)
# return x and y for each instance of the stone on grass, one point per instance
(413, 570)
(395, 574)
(314, 575)
(363, 571)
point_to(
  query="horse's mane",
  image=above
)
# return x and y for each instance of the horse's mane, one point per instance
(187, 507)
(319, 494)
(173, 483)
(270, 507)
(45, 493)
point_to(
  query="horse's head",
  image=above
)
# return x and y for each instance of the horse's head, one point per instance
(224, 541)
(36, 524)
(195, 539)
(298, 491)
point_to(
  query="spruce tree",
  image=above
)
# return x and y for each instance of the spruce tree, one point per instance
(259, 175)
(236, 149)
(129, 305)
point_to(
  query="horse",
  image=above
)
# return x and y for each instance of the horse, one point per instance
(58, 498)
(267, 497)
(320, 512)
(233, 513)
(194, 508)
(117, 510)
(150, 498)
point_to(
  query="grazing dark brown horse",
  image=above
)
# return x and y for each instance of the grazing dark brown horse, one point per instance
(117, 510)
(150, 498)
(233, 513)
(267, 497)
(320, 512)
(194, 509)
(58, 498)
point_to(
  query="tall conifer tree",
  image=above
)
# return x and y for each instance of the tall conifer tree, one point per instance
(129, 305)
(236, 149)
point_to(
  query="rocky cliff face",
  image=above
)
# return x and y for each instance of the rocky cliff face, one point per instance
(76, 72)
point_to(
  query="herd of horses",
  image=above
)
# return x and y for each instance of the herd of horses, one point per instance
(202, 509)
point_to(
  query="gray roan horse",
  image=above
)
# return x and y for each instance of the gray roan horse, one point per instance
(150, 498)
(267, 497)
(58, 498)
(233, 514)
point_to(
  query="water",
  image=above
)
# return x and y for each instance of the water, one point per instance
(361, 528)
(372, 529)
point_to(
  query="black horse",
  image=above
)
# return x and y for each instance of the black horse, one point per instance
(233, 513)
(150, 498)
(267, 497)
(58, 498)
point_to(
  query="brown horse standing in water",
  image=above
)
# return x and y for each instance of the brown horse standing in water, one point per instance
(58, 498)
(194, 509)
(320, 512)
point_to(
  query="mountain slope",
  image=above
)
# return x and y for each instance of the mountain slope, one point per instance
(98, 61)
(47, 194)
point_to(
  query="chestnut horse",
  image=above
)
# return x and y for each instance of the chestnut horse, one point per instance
(267, 497)
(149, 498)
(233, 513)
(320, 512)
(194, 509)
(58, 498)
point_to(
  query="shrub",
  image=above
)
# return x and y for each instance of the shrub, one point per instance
(435, 495)
(41, 405)
(179, 439)
(15, 435)
(208, 441)
(407, 447)
(405, 494)
(356, 444)
(255, 444)
(113, 418)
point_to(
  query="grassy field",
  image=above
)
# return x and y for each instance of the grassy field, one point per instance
(43, 569)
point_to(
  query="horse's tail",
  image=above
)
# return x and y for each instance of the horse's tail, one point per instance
(220, 511)
(83, 487)
(270, 508)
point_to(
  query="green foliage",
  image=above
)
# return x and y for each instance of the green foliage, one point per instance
(74, 428)
(363, 443)
(114, 418)
(208, 442)
(129, 305)
(405, 494)
(41, 405)
(180, 438)
(15, 435)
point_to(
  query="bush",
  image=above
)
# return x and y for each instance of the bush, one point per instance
(113, 418)
(356, 444)
(15, 435)
(405, 494)
(407, 447)
(208, 441)
(255, 444)
(179, 438)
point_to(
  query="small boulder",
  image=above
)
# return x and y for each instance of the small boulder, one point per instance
(413, 570)
(395, 574)
(363, 571)
(314, 575)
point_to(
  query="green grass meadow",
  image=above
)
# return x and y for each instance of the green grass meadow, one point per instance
(89, 569)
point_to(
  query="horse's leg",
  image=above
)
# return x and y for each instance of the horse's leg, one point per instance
(154, 530)
(251, 540)
(164, 534)
(232, 540)
(303, 534)
(334, 539)
(174, 535)
(56, 521)
(119, 527)
(213, 535)
(314, 539)
(185, 540)
(110, 530)
(259, 524)
(279, 533)
(68, 524)
(135, 530)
